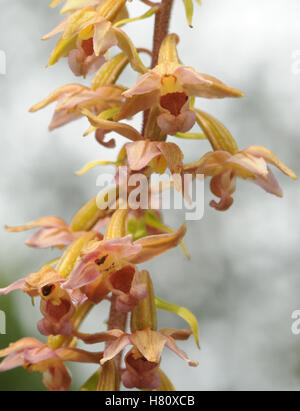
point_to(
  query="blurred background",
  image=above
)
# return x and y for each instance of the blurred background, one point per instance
(243, 280)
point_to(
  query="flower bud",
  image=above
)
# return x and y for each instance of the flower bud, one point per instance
(144, 314)
(217, 134)
(111, 9)
(109, 379)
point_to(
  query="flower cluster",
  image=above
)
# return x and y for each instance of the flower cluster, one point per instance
(103, 247)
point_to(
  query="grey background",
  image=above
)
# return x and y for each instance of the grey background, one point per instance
(243, 279)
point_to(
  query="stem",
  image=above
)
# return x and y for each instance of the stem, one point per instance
(117, 320)
(161, 28)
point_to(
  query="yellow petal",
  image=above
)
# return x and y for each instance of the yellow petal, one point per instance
(168, 51)
(62, 49)
(182, 312)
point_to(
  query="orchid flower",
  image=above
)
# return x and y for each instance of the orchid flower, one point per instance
(35, 356)
(250, 163)
(143, 360)
(72, 98)
(86, 35)
(109, 266)
(170, 85)
(56, 303)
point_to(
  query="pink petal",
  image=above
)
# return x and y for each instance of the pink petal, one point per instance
(104, 37)
(17, 285)
(82, 275)
(146, 84)
(172, 346)
(115, 347)
(203, 85)
(171, 125)
(269, 184)
(50, 237)
(140, 153)
(122, 247)
(12, 361)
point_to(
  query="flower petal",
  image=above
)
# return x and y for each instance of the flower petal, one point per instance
(120, 128)
(115, 347)
(17, 285)
(155, 245)
(149, 343)
(203, 85)
(263, 152)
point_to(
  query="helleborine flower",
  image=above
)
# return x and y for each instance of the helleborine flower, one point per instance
(87, 35)
(54, 232)
(250, 163)
(72, 98)
(142, 362)
(157, 154)
(170, 85)
(105, 262)
(56, 304)
(35, 356)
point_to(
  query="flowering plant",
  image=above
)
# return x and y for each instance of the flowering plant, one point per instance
(110, 236)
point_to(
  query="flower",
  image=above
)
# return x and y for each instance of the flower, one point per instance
(108, 265)
(54, 232)
(143, 360)
(56, 303)
(87, 35)
(35, 356)
(72, 98)
(157, 154)
(250, 163)
(170, 85)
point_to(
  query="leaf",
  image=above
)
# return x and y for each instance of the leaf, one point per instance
(182, 312)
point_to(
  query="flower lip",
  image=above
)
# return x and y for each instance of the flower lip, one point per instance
(173, 102)
(88, 46)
